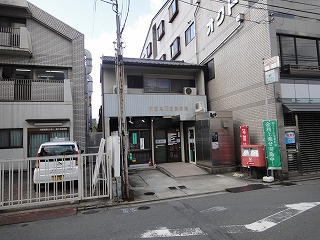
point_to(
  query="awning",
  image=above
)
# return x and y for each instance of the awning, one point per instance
(302, 107)
(38, 120)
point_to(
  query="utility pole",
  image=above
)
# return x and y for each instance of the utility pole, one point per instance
(122, 122)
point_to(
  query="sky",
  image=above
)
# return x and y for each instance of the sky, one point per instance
(96, 20)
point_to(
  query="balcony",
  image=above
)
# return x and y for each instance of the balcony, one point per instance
(15, 41)
(30, 90)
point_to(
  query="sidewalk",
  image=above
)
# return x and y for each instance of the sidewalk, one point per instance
(174, 180)
(166, 181)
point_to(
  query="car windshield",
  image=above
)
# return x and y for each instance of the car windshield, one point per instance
(54, 150)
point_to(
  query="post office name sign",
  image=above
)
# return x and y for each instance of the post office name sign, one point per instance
(221, 15)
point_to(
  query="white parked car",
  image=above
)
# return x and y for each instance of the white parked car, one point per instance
(55, 164)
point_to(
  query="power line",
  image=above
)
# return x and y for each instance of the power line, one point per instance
(276, 11)
(210, 10)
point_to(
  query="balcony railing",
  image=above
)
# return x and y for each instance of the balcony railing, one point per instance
(31, 90)
(301, 70)
(10, 37)
(15, 40)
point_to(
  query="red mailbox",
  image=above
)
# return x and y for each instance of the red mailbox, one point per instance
(253, 156)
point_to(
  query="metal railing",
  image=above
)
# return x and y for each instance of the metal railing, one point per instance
(31, 90)
(18, 188)
(10, 37)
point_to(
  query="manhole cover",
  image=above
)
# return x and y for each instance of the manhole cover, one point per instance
(172, 188)
(90, 212)
(144, 208)
(149, 193)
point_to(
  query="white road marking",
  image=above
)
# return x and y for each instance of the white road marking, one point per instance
(271, 221)
(128, 210)
(165, 232)
(214, 209)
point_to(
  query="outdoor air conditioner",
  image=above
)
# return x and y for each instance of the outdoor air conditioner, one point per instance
(189, 91)
(199, 106)
(115, 89)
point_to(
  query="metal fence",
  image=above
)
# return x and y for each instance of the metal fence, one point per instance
(18, 189)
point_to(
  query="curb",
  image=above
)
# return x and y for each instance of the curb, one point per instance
(36, 215)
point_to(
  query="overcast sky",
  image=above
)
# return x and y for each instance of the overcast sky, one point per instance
(96, 20)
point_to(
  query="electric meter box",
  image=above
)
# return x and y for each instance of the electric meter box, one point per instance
(253, 156)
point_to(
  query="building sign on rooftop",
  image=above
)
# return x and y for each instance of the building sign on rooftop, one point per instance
(221, 13)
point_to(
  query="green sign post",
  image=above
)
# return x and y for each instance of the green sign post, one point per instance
(272, 145)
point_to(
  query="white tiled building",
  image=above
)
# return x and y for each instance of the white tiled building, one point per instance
(42, 80)
(232, 38)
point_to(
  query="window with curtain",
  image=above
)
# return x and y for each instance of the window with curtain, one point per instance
(11, 138)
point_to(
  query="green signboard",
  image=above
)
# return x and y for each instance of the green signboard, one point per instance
(134, 138)
(272, 145)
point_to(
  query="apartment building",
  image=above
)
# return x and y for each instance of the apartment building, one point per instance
(234, 39)
(42, 80)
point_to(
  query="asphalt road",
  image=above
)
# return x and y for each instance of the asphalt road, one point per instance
(278, 212)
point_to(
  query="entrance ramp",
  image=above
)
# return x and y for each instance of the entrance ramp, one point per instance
(181, 169)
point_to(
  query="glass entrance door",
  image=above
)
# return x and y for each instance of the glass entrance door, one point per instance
(160, 152)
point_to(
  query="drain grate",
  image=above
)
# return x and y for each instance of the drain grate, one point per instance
(144, 208)
(249, 187)
(182, 187)
(173, 188)
(149, 193)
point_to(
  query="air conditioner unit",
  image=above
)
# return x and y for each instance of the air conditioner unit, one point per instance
(115, 89)
(189, 91)
(199, 106)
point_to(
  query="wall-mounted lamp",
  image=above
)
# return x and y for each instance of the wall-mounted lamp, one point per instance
(143, 120)
(130, 121)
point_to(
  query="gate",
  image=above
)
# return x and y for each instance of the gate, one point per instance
(17, 188)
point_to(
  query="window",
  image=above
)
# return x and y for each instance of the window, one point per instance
(173, 10)
(175, 48)
(190, 33)
(149, 49)
(164, 85)
(33, 73)
(210, 70)
(156, 85)
(135, 81)
(11, 138)
(296, 50)
(307, 52)
(160, 30)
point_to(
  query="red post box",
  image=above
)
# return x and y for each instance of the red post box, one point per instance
(253, 156)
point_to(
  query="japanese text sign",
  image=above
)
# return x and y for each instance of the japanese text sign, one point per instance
(271, 142)
(244, 135)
